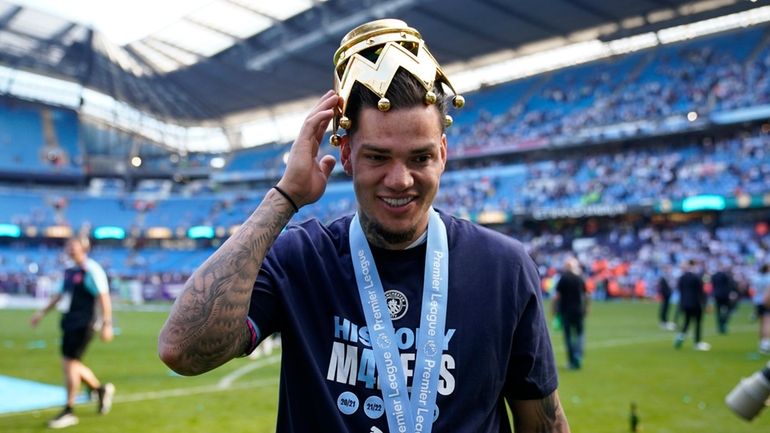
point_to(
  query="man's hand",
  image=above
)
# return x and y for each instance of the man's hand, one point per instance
(36, 318)
(306, 177)
(106, 333)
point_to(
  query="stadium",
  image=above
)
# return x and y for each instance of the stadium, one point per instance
(633, 135)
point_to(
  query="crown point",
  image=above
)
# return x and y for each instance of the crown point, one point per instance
(458, 101)
(448, 121)
(383, 104)
(430, 98)
(345, 122)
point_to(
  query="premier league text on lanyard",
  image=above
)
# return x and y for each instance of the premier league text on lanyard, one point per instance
(406, 415)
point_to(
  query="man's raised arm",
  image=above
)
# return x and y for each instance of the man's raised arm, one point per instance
(207, 324)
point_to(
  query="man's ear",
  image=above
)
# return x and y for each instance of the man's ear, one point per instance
(346, 155)
(443, 151)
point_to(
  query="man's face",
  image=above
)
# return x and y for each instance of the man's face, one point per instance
(75, 250)
(396, 159)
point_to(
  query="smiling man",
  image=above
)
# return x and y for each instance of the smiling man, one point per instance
(398, 159)
(399, 318)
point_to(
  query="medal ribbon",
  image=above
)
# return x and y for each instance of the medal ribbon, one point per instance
(406, 415)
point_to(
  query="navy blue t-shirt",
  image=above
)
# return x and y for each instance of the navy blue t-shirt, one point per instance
(496, 344)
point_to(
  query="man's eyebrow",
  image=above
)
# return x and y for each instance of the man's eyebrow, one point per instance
(425, 149)
(374, 148)
(385, 150)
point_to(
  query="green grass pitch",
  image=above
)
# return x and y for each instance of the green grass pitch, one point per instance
(628, 359)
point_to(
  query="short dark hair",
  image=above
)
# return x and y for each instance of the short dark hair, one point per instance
(405, 91)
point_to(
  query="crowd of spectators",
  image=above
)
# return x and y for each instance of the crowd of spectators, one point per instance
(632, 257)
(621, 259)
(635, 176)
(644, 93)
(653, 89)
(628, 260)
(723, 72)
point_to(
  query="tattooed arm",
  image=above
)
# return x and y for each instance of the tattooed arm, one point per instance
(207, 324)
(539, 416)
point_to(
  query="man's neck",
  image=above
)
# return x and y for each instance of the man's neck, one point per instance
(419, 240)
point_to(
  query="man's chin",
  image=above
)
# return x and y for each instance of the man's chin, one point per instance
(396, 238)
(393, 235)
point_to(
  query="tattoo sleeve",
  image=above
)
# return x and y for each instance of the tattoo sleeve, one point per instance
(539, 416)
(207, 323)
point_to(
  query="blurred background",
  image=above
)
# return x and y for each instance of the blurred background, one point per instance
(633, 135)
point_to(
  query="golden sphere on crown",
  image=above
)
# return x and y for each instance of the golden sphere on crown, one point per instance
(430, 98)
(458, 101)
(345, 122)
(383, 104)
(334, 140)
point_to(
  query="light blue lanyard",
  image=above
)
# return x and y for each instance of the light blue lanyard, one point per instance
(417, 414)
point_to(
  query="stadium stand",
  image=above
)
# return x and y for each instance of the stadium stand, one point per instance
(36, 139)
(598, 160)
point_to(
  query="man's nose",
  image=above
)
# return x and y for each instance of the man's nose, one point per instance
(398, 177)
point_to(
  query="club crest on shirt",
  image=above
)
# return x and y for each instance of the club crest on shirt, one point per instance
(397, 304)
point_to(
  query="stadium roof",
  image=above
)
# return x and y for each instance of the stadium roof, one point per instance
(233, 56)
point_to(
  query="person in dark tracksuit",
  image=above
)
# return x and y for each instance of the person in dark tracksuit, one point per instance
(665, 292)
(725, 294)
(571, 303)
(692, 301)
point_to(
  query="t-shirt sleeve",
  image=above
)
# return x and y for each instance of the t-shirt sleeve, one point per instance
(265, 306)
(531, 370)
(96, 279)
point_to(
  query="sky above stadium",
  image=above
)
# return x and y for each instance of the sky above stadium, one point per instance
(122, 21)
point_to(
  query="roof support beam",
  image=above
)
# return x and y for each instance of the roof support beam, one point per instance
(602, 15)
(463, 27)
(174, 46)
(212, 29)
(665, 3)
(8, 17)
(63, 32)
(544, 26)
(254, 11)
(322, 34)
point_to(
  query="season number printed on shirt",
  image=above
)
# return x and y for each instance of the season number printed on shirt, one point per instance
(347, 403)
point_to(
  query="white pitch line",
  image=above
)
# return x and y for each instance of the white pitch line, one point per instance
(228, 380)
(183, 392)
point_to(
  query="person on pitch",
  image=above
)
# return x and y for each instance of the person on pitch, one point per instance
(399, 318)
(86, 289)
(571, 302)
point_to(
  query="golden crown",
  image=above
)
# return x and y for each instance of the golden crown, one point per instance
(395, 45)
